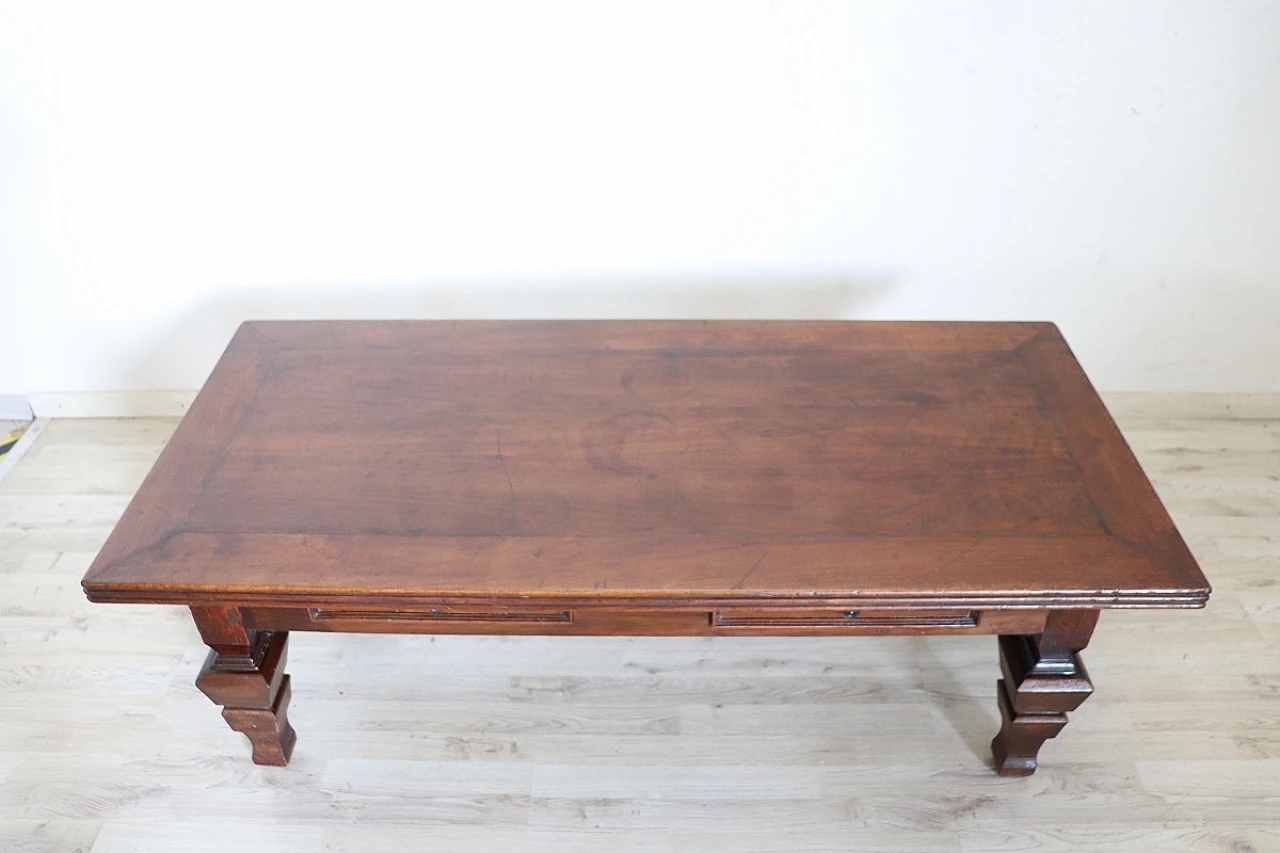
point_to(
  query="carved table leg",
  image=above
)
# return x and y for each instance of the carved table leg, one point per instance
(245, 674)
(1043, 679)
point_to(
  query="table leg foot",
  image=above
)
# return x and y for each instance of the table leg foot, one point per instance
(269, 731)
(1036, 692)
(244, 673)
(1021, 735)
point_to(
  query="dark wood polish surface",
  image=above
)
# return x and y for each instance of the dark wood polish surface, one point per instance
(583, 463)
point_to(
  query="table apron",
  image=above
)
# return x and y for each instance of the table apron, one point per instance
(649, 621)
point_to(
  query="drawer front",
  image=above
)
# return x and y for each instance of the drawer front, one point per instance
(782, 618)
(781, 621)
(440, 619)
(442, 614)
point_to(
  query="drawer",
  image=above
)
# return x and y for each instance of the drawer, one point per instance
(441, 619)
(442, 614)
(802, 618)
(460, 619)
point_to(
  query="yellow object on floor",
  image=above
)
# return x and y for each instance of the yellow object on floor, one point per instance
(7, 443)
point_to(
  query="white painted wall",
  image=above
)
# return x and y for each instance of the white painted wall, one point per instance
(168, 170)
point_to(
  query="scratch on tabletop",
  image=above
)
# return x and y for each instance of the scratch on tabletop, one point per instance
(958, 557)
(729, 439)
(511, 489)
(751, 571)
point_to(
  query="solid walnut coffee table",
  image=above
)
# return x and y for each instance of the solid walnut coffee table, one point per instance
(648, 478)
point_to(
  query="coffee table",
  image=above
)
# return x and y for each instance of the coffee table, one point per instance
(648, 478)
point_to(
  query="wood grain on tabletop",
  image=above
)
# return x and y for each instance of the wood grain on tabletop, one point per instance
(601, 462)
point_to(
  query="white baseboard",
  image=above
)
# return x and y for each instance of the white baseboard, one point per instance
(1161, 405)
(111, 404)
(15, 407)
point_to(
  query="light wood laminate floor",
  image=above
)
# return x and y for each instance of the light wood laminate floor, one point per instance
(575, 744)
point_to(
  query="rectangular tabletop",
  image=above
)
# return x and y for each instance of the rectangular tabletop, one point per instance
(625, 462)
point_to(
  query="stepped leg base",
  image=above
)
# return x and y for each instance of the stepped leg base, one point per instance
(251, 685)
(1044, 678)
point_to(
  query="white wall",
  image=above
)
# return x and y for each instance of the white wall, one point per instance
(168, 170)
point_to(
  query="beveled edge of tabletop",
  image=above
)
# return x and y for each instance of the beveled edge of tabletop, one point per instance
(1113, 476)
